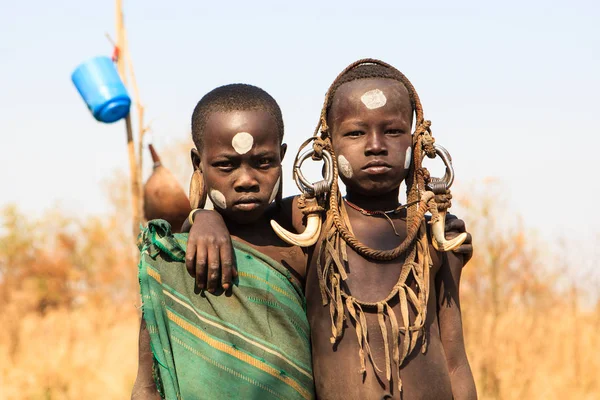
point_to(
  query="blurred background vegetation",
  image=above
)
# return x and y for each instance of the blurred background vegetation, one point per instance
(70, 306)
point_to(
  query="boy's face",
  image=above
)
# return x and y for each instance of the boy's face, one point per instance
(241, 162)
(371, 121)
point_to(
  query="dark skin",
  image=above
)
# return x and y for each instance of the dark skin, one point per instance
(374, 141)
(247, 183)
(144, 387)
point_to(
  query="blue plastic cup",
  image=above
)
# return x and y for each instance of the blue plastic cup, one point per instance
(100, 86)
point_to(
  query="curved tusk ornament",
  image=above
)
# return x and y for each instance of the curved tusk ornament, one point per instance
(305, 239)
(439, 240)
(311, 191)
(438, 186)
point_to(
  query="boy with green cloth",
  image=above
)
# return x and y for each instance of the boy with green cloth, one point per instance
(253, 341)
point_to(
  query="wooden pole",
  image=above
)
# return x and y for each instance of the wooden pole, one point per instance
(133, 165)
(140, 110)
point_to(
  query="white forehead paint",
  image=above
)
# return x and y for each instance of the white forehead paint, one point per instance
(373, 99)
(275, 190)
(218, 198)
(344, 167)
(242, 142)
(407, 158)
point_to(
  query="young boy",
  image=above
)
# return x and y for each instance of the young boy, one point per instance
(383, 304)
(253, 341)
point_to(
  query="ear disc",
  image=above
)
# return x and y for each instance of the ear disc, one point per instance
(197, 190)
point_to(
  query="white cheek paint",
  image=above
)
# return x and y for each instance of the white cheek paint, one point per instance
(218, 199)
(373, 99)
(275, 190)
(242, 142)
(344, 167)
(407, 159)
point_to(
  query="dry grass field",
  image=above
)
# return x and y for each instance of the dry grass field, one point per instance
(69, 313)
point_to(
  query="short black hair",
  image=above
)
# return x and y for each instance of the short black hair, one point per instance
(367, 71)
(233, 97)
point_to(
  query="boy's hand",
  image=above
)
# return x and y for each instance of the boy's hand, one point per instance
(209, 257)
(454, 227)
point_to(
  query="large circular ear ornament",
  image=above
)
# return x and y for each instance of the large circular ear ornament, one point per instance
(197, 190)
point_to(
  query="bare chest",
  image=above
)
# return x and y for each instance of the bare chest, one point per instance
(373, 280)
(337, 366)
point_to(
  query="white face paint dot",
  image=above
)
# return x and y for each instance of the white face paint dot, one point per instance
(242, 142)
(218, 198)
(407, 159)
(345, 167)
(373, 99)
(275, 190)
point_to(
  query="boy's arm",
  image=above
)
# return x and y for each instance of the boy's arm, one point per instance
(209, 255)
(144, 387)
(450, 322)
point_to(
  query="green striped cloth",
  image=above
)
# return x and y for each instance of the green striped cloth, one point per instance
(253, 344)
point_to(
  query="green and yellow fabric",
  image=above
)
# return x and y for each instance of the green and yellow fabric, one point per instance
(252, 344)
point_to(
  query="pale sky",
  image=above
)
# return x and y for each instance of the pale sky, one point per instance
(512, 88)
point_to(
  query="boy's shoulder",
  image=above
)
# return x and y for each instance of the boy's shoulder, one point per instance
(287, 214)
